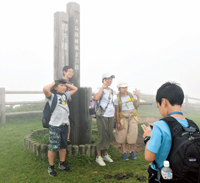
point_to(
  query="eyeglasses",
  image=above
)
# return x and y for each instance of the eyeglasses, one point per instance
(71, 72)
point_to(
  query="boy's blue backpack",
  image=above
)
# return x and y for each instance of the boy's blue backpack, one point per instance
(47, 112)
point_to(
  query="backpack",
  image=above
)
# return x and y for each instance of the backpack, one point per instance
(184, 156)
(120, 103)
(94, 105)
(47, 112)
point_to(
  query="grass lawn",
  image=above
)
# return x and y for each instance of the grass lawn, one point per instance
(19, 165)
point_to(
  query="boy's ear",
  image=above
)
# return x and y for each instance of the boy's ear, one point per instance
(164, 102)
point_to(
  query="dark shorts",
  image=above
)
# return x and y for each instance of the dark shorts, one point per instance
(58, 137)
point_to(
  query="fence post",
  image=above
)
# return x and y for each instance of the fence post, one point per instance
(2, 103)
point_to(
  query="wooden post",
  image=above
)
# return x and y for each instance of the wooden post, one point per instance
(85, 124)
(61, 48)
(2, 103)
(73, 10)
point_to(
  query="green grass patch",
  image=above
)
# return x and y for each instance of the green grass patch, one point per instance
(19, 165)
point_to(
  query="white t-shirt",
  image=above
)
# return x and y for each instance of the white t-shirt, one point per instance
(60, 114)
(107, 98)
(128, 101)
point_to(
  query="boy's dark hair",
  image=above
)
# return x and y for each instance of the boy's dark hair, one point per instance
(172, 92)
(65, 68)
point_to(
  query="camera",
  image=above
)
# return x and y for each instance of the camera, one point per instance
(150, 128)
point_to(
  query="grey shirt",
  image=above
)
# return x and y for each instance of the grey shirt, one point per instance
(60, 114)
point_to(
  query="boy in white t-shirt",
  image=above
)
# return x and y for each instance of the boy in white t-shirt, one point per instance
(126, 114)
(58, 125)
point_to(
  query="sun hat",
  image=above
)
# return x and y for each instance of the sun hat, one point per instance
(107, 75)
(122, 84)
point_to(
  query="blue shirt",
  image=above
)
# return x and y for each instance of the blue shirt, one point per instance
(161, 141)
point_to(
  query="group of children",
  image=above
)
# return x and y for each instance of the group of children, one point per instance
(169, 99)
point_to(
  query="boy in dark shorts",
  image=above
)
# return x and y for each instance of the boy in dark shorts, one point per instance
(58, 124)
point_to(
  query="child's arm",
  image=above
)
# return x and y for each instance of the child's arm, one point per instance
(47, 88)
(73, 89)
(97, 96)
(137, 101)
(117, 116)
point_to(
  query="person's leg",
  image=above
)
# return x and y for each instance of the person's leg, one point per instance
(132, 147)
(63, 146)
(123, 148)
(99, 145)
(62, 154)
(51, 156)
(132, 135)
(109, 123)
(54, 146)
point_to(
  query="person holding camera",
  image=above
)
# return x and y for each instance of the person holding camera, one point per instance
(105, 118)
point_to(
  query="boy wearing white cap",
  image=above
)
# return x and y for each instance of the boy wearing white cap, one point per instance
(126, 114)
(104, 118)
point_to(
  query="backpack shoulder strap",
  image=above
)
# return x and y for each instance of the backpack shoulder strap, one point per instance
(174, 125)
(119, 101)
(54, 103)
(192, 124)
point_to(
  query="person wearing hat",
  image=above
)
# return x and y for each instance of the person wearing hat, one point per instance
(104, 118)
(126, 114)
(58, 124)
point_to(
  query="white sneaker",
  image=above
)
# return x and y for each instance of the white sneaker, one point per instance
(100, 161)
(107, 158)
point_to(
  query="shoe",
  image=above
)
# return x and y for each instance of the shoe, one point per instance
(133, 155)
(63, 166)
(107, 158)
(52, 171)
(100, 161)
(125, 156)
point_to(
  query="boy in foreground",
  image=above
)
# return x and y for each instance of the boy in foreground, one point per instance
(169, 99)
(58, 124)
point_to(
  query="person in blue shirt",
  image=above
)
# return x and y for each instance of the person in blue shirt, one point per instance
(169, 99)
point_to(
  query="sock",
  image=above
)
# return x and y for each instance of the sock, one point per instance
(52, 167)
(61, 162)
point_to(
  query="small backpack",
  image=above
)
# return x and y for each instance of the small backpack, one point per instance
(184, 156)
(94, 105)
(47, 112)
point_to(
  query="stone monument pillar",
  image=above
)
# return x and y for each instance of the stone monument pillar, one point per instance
(61, 43)
(67, 52)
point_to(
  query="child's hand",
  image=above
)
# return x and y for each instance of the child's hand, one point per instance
(146, 131)
(118, 126)
(136, 92)
(105, 85)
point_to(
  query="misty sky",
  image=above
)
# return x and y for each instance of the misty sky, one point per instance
(144, 43)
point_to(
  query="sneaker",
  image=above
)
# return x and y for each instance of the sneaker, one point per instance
(125, 156)
(107, 158)
(63, 166)
(100, 161)
(133, 155)
(52, 171)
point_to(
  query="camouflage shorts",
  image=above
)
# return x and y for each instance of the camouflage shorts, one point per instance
(58, 137)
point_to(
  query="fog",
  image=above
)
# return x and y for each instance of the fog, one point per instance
(144, 43)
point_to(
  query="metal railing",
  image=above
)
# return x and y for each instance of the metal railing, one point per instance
(3, 103)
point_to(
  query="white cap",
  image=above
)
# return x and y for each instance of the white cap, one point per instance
(107, 75)
(166, 163)
(122, 84)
